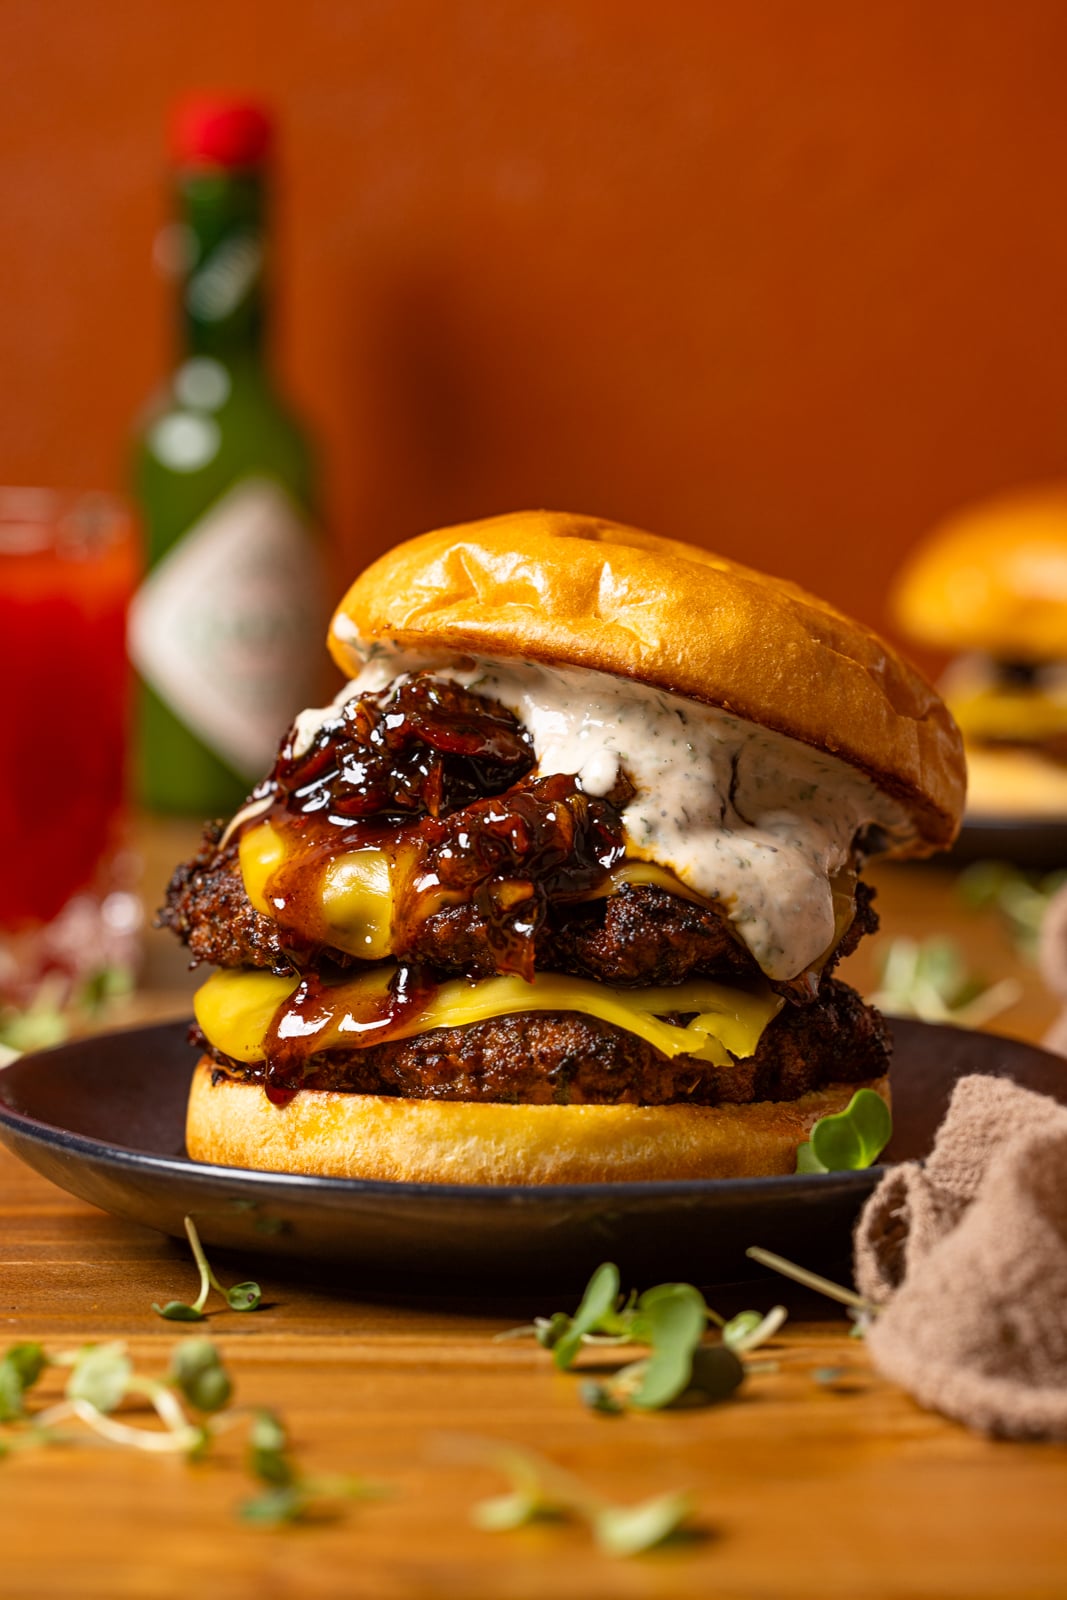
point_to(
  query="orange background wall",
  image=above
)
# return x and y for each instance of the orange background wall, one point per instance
(789, 279)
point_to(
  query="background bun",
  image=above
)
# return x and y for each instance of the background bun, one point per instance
(590, 593)
(337, 1135)
(993, 578)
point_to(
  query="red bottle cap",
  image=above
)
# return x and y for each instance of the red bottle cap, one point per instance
(215, 131)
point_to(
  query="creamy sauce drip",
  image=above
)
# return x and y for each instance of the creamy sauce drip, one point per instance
(744, 816)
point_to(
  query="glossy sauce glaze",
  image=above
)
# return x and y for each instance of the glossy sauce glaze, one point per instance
(427, 787)
(292, 1038)
(747, 818)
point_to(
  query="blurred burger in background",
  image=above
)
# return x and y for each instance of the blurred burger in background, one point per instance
(989, 586)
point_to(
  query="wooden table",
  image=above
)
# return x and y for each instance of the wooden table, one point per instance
(802, 1488)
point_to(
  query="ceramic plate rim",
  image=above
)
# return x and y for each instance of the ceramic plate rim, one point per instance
(123, 1156)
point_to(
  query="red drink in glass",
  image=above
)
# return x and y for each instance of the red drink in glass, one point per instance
(68, 565)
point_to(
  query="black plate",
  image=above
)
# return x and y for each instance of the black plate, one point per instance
(1039, 842)
(103, 1118)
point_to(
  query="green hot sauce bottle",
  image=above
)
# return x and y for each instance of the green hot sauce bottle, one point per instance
(226, 630)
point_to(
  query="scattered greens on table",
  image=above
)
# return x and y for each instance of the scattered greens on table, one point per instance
(192, 1401)
(861, 1310)
(242, 1297)
(1020, 898)
(671, 1320)
(930, 980)
(541, 1490)
(848, 1140)
(55, 1012)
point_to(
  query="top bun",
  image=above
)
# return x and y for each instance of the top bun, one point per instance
(993, 578)
(588, 593)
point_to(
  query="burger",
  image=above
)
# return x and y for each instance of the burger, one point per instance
(989, 587)
(556, 887)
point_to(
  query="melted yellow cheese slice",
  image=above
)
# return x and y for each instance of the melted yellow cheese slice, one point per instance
(644, 872)
(997, 713)
(236, 1008)
(261, 852)
(355, 892)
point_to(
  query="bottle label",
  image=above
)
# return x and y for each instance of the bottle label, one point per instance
(227, 628)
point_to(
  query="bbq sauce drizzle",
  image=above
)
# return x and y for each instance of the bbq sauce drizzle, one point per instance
(439, 780)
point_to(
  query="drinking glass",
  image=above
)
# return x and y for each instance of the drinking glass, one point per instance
(69, 912)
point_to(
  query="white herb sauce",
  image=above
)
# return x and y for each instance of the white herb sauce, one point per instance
(750, 818)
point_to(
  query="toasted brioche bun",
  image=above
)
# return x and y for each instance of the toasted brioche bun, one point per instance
(334, 1135)
(993, 578)
(584, 592)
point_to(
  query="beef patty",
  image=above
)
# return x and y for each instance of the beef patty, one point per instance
(640, 935)
(564, 1058)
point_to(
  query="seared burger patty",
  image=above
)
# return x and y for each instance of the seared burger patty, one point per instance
(563, 1058)
(641, 935)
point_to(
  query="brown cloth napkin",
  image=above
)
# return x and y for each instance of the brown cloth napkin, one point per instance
(966, 1258)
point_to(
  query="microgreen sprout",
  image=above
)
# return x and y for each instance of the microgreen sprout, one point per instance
(749, 1329)
(541, 1491)
(192, 1404)
(20, 1369)
(197, 1372)
(671, 1321)
(59, 1007)
(856, 1303)
(930, 980)
(1020, 898)
(242, 1297)
(290, 1495)
(849, 1140)
(596, 1306)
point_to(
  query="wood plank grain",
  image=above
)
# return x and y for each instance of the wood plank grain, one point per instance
(803, 1489)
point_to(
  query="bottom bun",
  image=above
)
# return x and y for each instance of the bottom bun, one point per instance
(327, 1134)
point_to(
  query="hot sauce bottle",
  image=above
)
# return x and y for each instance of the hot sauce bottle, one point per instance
(226, 630)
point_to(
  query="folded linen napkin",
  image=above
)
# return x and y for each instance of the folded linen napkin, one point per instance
(966, 1257)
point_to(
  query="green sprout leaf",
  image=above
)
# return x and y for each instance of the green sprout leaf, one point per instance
(807, 1160)
(600, 1397)
(930, 980)
(530, 1500)
(267, 1446)
(196, 1369)
(717, 1373)
(178, 1311)
(672, 1318)
(550, 1330)
(848, 1140)
(102, 986)
(186, 1402)
(600, 1298)
(242, 1297)
(1019, 898)
(749, 1329)
(298, 1500)
(541, 1491)
(101, 1376)
(20, 1368)
(287, 1503)
(627, 1530)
